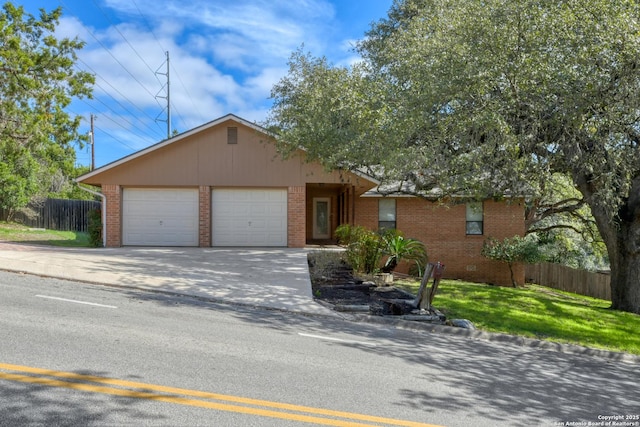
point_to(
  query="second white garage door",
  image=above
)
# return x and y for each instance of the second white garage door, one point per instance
(249, 217)
(160, 217)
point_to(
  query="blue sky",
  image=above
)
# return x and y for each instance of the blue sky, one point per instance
(224, 58)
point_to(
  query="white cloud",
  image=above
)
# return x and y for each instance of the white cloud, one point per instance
(72, 28)
(262, 83)
(225, 57)
(243, 32)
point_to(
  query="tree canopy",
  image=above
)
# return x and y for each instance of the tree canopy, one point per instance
(488, 99)
(37, 82)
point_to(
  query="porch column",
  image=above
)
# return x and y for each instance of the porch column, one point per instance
(353, 205)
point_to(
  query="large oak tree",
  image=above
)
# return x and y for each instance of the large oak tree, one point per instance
(37, 82)
(487, 98)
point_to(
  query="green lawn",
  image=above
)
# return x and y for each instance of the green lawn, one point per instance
(537, 312)
(533, 311)
(11, 232)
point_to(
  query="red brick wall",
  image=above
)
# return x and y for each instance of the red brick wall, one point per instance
(296, 217)
(204, 215)
(442, 229)
(113, 195)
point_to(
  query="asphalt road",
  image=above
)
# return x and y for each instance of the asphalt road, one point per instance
(76, 354)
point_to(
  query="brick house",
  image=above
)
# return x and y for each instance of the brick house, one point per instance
(224, 184)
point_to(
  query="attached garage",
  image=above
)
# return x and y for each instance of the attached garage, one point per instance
(221, 184)
(160, 217)
(249, 217)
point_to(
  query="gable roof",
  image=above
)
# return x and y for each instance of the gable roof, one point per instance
(97, 176)
(173, 140)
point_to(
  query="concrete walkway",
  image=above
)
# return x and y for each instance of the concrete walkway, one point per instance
(275, 278)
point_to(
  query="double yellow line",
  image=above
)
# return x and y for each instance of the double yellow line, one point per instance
(180, 396)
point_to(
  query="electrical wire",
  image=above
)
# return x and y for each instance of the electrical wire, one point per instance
(109, 93)
(146, 22)
(119, 93)
(111, 54)
(125, 39)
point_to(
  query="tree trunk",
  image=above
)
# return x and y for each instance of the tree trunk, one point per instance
(625, 284)
(513, 279)
(625, 268)
(621, 235)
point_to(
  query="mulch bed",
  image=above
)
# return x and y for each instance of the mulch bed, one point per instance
(337, 285)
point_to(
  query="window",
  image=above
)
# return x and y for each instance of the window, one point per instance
(232, 135)
(386, 214)
(474, 218)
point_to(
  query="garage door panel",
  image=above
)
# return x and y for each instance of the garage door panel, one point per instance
(249, 217)
(160, 217)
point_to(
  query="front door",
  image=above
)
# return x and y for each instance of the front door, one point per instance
(321, 218)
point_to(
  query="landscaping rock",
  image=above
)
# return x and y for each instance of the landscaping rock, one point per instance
(339, 287)
(431, 318)
(461, 323)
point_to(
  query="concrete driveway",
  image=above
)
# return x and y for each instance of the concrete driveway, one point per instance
(268, 277)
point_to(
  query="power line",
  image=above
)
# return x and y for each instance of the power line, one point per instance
(111, 54)
(146, 22)
(132, 124)
(109, 93)
(115, 26)
(119, 93)
(117, 123)
(144, 19)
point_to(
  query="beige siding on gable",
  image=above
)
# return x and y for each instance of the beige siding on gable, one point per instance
(205, 158)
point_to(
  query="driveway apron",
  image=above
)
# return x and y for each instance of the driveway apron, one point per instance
(275, 278)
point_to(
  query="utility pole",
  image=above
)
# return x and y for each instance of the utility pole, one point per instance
(93, 144)
(167, 97)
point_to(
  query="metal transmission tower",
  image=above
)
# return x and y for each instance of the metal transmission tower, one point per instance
(167, 97)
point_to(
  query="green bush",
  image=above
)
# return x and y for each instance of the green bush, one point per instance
(399, 248)
(95, 228)
(364, 247)
(512, 250)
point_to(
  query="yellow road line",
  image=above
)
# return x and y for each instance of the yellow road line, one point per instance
(194, 393)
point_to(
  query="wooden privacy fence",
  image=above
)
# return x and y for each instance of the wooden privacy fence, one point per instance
(592, 284)
(56, 214)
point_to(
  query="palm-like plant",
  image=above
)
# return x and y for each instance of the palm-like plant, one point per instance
(398, 248)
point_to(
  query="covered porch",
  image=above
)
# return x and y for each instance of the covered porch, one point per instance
(327, 207)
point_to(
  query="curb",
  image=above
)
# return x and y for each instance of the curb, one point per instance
(610, 356)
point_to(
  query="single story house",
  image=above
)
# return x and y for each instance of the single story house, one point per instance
(223, 184)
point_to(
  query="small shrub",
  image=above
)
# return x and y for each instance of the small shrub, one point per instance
(512, 250)
(322, 264)
(95, 228)
(364, 247)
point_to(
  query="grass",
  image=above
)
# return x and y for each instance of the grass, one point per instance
(12, 232)
(537, 312)
(533, 311)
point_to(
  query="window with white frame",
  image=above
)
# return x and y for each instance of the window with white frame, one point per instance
(386, 214)
(475, 218)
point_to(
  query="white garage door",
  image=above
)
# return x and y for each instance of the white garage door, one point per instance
(160, 217)
(249, 217)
